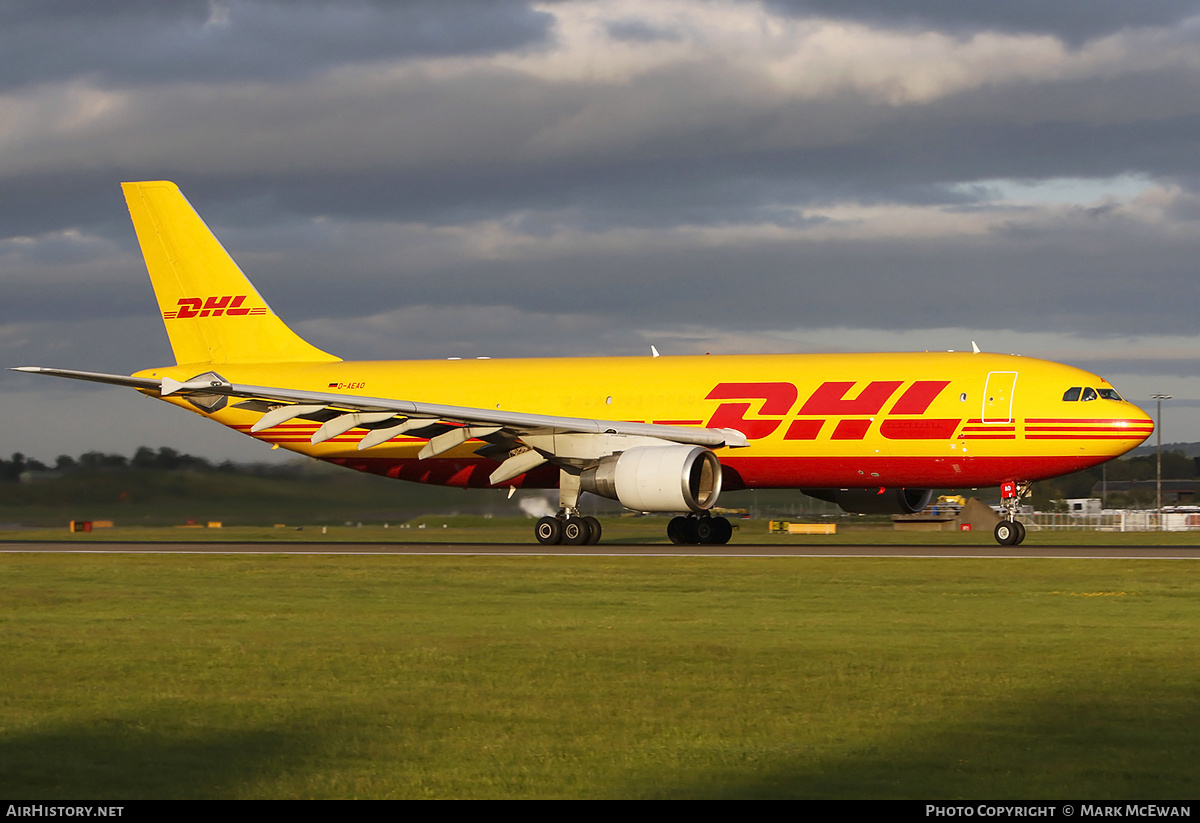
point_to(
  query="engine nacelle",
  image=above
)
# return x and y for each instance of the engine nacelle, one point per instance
(674, 478)
(871, 501)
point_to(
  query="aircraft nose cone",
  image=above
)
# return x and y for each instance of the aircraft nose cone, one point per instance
(1138, 424)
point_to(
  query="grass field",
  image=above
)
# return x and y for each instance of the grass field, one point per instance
(302, 676)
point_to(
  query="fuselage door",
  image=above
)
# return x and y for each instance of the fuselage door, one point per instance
(998, 396)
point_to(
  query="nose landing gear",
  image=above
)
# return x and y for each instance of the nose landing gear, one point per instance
(1010, 531)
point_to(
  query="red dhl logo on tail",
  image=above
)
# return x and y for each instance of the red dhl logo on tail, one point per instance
(212, 306)
(831, 400)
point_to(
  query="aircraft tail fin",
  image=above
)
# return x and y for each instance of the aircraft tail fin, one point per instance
(212, 312)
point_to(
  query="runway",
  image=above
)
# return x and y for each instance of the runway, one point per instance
(526, 550)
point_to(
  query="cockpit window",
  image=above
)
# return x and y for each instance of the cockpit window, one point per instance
(1085, 393)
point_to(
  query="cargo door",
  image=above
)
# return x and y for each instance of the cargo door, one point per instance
(998, 396)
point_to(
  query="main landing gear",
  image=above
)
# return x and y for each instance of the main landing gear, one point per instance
(699, 529)
(568, 530)
(568, 527)
(1010, 531)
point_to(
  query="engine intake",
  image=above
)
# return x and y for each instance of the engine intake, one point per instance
(657, 478)
(871, 501)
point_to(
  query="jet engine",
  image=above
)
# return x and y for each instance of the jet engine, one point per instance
(674, 478)
(875, 501)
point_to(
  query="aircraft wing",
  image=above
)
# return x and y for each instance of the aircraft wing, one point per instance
(444, 426)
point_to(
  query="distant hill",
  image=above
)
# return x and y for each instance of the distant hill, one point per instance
(164, 487)
(1188, 449)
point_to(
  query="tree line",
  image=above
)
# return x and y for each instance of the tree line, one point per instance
(1176, 465)
(163, 459)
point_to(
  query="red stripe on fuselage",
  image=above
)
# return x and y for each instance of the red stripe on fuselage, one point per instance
(1130, 436)
(1092, 420)
(919, 429)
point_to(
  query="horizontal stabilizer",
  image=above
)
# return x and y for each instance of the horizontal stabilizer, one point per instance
(147, 383)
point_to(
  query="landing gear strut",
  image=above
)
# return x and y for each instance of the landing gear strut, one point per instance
(1010, 531)
(568, 526)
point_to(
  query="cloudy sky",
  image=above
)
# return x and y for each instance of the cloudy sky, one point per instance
(428, 179)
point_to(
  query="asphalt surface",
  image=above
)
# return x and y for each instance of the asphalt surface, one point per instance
(602, 550)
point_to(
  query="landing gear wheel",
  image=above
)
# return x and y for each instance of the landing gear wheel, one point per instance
(723, 530)
(713, 530)
(693, 530)
(576, 531)
(549, 531)
(594, 534)
(1009, 532)
(677, 530)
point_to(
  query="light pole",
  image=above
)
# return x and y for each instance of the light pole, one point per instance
(1158, 482)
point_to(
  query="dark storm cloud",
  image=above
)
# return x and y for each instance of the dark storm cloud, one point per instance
(916, 155)
(990, 284)
(429, 179)
(1169, 369)
(1084, 271)
(137, 341)
(144, 42)
(1072, 20)
(81, 299)
(34, 204)
(462, 149)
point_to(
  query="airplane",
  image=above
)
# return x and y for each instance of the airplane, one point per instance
(873, 433)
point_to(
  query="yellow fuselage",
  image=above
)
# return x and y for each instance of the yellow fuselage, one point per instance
(941, 420)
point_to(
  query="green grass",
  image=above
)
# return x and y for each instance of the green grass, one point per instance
(301, 676)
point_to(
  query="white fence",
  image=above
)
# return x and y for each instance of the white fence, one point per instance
(1174, 519)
